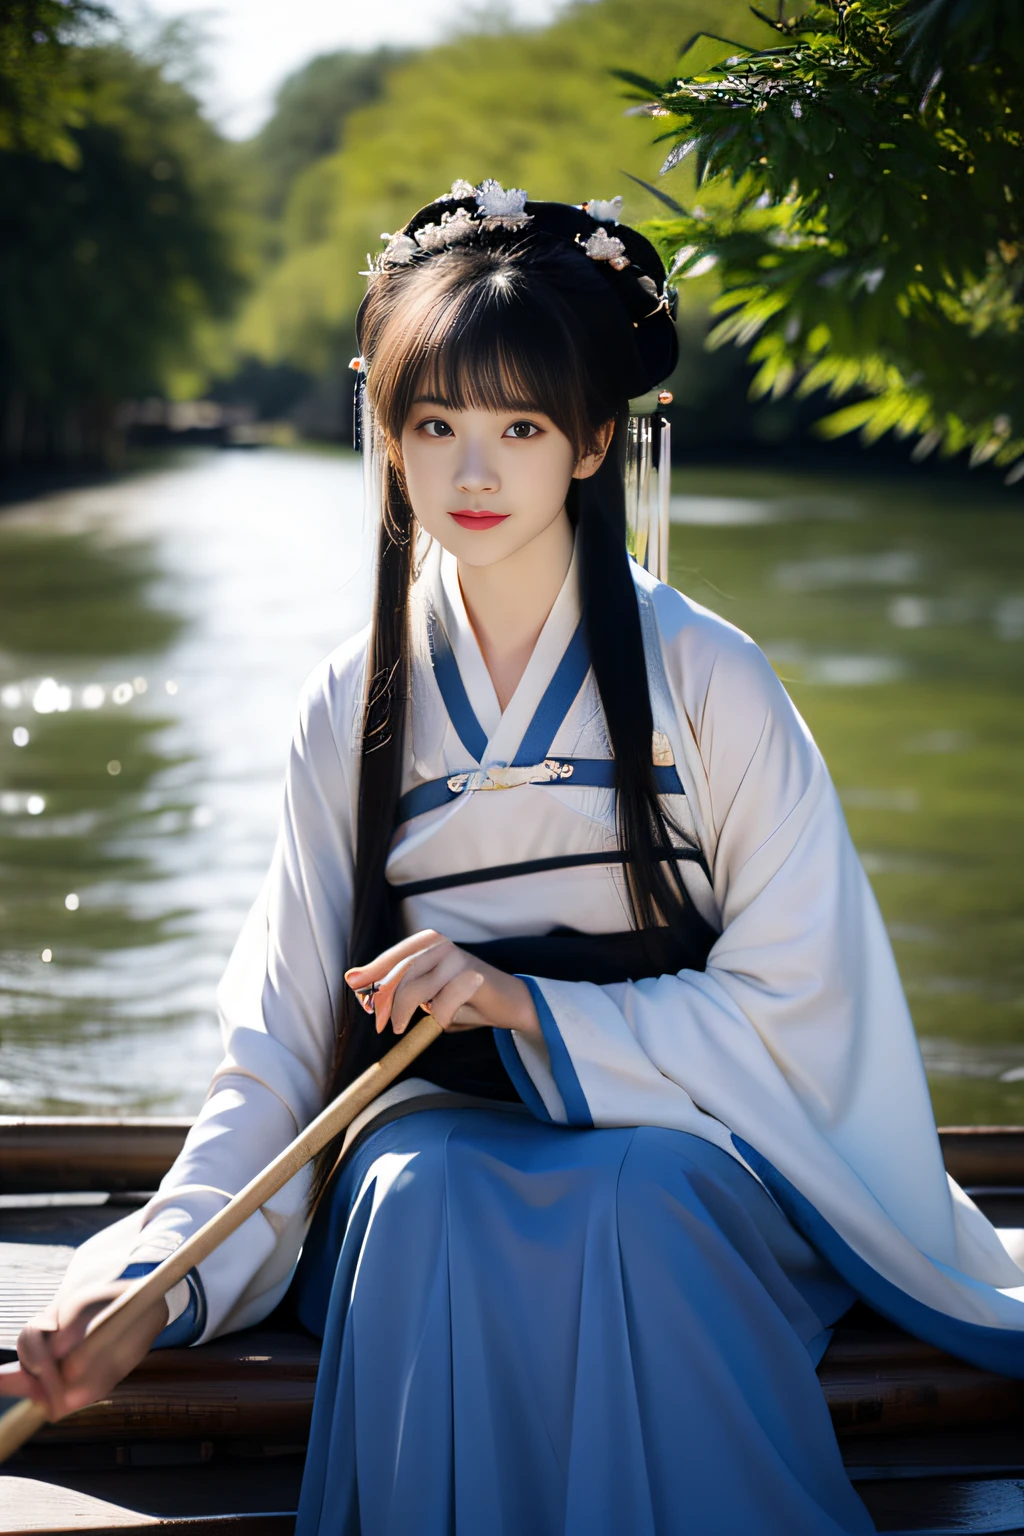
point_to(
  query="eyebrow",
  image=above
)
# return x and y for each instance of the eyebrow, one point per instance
(507, 410)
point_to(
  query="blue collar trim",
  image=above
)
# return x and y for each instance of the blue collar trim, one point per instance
(453, 692)
(570, 675)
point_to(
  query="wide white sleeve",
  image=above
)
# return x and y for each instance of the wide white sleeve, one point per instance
(796, 1038)
(277, 1004)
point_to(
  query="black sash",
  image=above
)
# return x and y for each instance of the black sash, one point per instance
(468, 1061)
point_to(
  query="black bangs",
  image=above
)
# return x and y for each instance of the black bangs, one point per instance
(499, 350)
(480, 332)
(493, 363)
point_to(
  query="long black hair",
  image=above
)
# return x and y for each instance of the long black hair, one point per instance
(522, 326)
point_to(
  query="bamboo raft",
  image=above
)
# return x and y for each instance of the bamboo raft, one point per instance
(210, 1439)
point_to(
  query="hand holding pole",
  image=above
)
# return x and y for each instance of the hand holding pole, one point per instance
(20, 1423)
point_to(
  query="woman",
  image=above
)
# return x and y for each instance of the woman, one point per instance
(575, 1274)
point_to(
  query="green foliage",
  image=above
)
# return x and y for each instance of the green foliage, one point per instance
(535, 108)
(39, 97)
(864, 190)
(114, 268)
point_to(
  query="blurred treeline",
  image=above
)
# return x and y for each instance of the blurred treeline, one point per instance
(146, 257)
(123, 244)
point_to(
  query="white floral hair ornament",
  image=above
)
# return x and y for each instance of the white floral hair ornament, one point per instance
(609, 212)
(398, 252)
(454, 229)
(496, 208)
(495, 203)
(662, 299)
(601, 246)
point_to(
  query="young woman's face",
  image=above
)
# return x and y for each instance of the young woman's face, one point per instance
(486, 483)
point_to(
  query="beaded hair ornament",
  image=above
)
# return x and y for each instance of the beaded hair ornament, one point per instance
(491, 214)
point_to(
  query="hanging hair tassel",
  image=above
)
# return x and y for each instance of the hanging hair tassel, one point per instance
(648, 483)
(358, 367)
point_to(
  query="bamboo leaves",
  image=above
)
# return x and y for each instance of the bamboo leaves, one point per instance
(864, 180)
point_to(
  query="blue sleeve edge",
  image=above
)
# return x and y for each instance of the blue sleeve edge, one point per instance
(522, 1082)
(188, 1327)
(577, 1110)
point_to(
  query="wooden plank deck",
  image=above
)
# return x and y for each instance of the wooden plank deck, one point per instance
(237, 1499)
(52, 1154)
(259, 1386)
(234, 1502)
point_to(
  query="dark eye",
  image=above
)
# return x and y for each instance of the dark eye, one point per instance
(436, 428)
(522, 429)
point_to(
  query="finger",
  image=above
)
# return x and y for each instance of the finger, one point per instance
(417, 991)
(377, 997)
(378, 968)
(408, 971)
(102, 1360)
(35, 1356)
(15, 1381)
(452, 999)
(73, 1326)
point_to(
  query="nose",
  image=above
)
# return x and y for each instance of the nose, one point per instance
(476, 474)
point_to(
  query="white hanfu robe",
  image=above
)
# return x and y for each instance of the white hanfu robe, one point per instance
(793, 1051)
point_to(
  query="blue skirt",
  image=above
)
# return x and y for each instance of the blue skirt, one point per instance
(536, 1331)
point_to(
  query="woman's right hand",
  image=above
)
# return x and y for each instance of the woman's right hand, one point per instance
(61, 1373)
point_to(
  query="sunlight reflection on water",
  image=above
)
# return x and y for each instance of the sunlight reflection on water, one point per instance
(261, 561)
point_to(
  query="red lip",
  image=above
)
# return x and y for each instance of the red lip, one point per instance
(467, 518)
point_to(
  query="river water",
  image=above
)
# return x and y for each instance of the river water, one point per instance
(153, 639)
(154, 634)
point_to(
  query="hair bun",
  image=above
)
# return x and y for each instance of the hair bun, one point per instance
(629, 263)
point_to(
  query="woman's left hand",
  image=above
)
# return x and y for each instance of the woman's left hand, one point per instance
(429, 971)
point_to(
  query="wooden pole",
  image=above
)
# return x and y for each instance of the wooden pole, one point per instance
(22, 1421)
